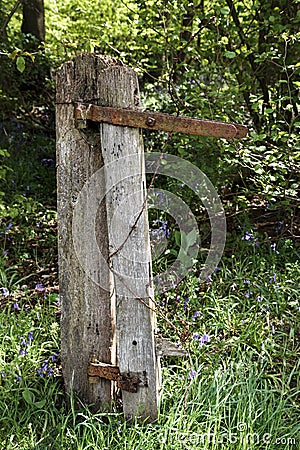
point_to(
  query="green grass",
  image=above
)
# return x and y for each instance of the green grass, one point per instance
(244, 391)
(245, 395)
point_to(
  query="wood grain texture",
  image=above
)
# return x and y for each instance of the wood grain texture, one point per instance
(89, 311)
(87, 330)
(131, 260)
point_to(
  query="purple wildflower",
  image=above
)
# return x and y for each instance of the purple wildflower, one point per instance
(248, 236)
(205, 338)
(54, 357)
(196, 336)
(5, 291)
(16, 306)
(39, 287)
(45, 369)
(9, 227)
(30, 337)
(192, 374)
(23, 342)
(273, 279)
(5, 252)
(196, 314)
(185, 305)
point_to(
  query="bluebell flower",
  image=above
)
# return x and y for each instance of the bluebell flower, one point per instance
(23, 342)
(16, 306)
(5, 291)
(248, 236)
(30, 337)
(54, 357)
(205, 339)
(196, 314)
(185, 305)
(9, 227)
(192, 374)
(40, 372)
(5, 252)
(196, 336)
(273, 279)
(45, 369)
(162, 231)
(39, 287)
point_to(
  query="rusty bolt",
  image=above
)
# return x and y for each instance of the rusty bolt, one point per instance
(150, 122)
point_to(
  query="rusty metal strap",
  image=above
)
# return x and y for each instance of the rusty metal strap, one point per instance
(126, 382)
(160, 121)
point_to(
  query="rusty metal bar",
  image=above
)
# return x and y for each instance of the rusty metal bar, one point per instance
(160, 121)
(126, 382)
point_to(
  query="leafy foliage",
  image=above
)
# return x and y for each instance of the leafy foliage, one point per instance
(229, 60)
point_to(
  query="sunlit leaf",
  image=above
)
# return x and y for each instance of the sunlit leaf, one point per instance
(20, 62)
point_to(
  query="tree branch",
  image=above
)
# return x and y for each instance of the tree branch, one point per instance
(10, 15)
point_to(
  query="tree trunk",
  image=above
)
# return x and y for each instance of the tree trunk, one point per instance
(34, 19)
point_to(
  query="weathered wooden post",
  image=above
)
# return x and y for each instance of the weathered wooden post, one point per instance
(95, 302)
(108, 321)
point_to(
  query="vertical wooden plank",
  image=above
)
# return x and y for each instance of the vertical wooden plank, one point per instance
(86, 323)
(130, 249)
